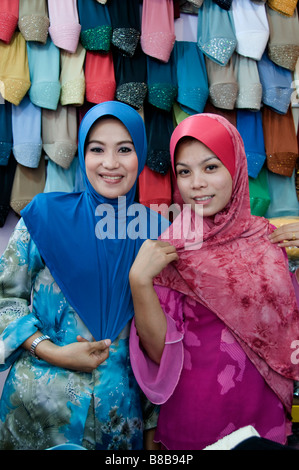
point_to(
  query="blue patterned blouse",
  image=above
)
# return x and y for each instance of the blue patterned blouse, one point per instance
(43, 405)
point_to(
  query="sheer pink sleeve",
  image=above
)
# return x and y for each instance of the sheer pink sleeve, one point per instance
(159, 381)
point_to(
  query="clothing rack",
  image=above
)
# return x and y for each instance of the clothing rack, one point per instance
(61, 70)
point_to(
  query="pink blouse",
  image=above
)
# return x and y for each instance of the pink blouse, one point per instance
(206, 385)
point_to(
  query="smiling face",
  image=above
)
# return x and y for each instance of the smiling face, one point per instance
(202, 178)
(110, 158)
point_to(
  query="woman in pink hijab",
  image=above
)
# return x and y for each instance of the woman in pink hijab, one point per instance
(216, 319)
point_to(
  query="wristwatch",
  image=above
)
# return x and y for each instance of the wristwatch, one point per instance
(35, 343)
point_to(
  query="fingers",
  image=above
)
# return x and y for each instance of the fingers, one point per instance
(101, 345)
(100, 351)
(80, 339)
(286, 235)
(162, 244)
(169, 250)
(159, 245)
(162, 253)
(97, 349)
(172, 257)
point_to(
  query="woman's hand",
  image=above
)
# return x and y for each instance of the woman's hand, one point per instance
(152, 258)
(150, 320)
(287, 235)
(83, 356)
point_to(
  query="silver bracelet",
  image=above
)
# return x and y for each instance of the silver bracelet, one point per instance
(35, 343)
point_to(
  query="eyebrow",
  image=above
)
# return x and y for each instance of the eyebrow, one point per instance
(117, 143)
(205, 161)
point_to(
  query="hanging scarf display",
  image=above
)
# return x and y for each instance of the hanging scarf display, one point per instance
(179, 57)
(130, 76)
(285, 7)
(61, 179)
(276, 84)
(96, 29)
(99, 77)
(5, 132)
(162, 82)
(34, 20)
(125, 21)
(280, 141)
(64, 24)
(250, 127)
(249, 84)
(259, 193)
(251, 27)
(14, 74)
(283, 45)
(223, 85)
(216, 32)
(27, 183)
(193, 88)
(44, 66)
(157, 28)
(72, 78)
(159, 127)
(7, 174)
(59, 133)
(9, 15)
(26, 129)
(225, 4)
(286, 206)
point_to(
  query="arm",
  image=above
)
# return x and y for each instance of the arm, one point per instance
(149, 443)
(84, 356)
(158, 381)
(19, 267)
(17, 323)
(149, 317)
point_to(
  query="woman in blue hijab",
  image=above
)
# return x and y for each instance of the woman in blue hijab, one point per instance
(65, 301)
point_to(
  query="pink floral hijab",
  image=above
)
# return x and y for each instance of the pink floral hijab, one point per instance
(231, 267)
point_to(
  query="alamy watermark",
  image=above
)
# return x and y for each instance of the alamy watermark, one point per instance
(295, 354)
(133, 222)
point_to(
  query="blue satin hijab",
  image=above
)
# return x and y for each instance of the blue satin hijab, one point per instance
(72, 230)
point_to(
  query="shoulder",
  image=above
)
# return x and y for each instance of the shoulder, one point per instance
(20, 232)
(49, 199)
(44, 207)
(21, 248)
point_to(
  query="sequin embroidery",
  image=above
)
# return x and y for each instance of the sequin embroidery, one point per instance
(97, 39)
(219, 49)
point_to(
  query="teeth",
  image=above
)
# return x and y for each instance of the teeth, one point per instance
(112, 177)
(205, 198)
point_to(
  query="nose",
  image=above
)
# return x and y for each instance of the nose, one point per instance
(199, 180)
(110, 162)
